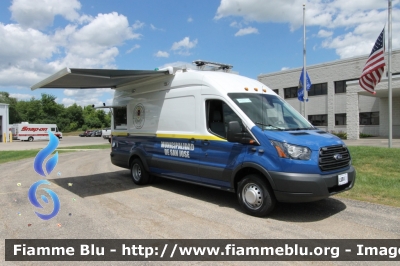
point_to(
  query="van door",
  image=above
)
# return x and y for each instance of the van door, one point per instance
(218, 157)
(175, 151)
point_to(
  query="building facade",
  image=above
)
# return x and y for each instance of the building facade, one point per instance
(4, 124)
(336, 102)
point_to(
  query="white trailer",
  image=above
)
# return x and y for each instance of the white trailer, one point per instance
(31, 132)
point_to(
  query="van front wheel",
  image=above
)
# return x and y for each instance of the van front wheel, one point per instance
(139, 175)
(255, 196)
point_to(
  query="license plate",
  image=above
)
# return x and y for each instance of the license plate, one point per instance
(343, 179)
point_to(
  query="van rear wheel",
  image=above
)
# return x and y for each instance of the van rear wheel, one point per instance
(30, 139)
(255, 196)
(139, 175)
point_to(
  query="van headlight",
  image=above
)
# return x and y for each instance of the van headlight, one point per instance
(290, 151)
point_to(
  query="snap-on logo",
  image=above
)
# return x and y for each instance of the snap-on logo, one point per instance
(34, 129)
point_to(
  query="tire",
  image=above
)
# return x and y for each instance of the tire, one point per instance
(139, 175)
(30, 139)
(255, 196)
(109, 140)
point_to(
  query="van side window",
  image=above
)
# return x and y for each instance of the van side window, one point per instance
(219, 114)
(53, 129)
(120, 121)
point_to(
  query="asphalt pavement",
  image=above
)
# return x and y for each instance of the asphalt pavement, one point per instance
(100, 201)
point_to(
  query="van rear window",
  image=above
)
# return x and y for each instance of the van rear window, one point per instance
(120, 121)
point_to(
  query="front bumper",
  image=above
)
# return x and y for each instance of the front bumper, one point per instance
(294, 187)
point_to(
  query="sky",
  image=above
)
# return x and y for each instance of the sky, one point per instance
(39, 38)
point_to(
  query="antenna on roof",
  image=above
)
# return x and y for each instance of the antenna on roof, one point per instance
(201, 64)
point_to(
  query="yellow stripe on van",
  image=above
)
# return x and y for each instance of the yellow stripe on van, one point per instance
(183, 136)
(173, 136)
(119, 133)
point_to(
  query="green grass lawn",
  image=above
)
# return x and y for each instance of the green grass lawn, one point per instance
(378, 171)
(8, 156)
(378, 175)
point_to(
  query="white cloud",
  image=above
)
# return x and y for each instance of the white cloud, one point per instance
(76, 45)
(136, 46)
(190, 19)
(137, 25)
(183, 46)
(155, 28)
(21, 96)
(114, 29)
(162, 54)
(85, 97)
(348, 27)
(246, 31)
(324, 33)
(178, 64)
(233, 24)
(285, 68)
(39, 14)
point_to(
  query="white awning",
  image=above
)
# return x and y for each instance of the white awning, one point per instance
(76, 78)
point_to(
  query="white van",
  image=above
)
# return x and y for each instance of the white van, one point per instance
(25, 131)
(216, 129)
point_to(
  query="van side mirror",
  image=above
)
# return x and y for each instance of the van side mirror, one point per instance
(235, 134)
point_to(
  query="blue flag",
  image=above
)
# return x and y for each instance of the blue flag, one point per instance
(300, 92)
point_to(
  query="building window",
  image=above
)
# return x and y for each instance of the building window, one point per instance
(318, 120)
(290, 92)
(340, 86)
(318, 89)
(369, 118)
(340, 119)
(276, 91)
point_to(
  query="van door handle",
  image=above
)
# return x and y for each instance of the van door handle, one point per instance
(192, 140)
(205, 142)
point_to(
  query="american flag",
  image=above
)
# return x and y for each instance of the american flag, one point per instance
(373, 69)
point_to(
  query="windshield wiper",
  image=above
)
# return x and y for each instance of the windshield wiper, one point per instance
(268, 125)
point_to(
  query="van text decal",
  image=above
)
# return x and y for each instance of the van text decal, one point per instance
(177, 149)
(34, 129)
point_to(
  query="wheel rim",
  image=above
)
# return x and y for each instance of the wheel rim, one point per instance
(136, 172)
(252, 196)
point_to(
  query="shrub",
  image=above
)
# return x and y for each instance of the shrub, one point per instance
(340, 134)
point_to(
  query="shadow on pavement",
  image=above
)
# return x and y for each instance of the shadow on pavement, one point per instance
(97, 184)
(104, 183)
(307, 212)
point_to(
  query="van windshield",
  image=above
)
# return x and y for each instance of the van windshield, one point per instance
(269, 112)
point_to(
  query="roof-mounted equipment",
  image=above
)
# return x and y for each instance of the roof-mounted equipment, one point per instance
(201, 64)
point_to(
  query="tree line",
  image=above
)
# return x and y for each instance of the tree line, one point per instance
(47, 111)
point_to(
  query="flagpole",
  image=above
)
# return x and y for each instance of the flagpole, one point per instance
(390, 72)
(304, 63)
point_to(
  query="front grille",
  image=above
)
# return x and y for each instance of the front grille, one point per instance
(334, 157)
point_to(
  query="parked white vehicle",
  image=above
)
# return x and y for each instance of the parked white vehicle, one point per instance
(31, 132)
(106, 133)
